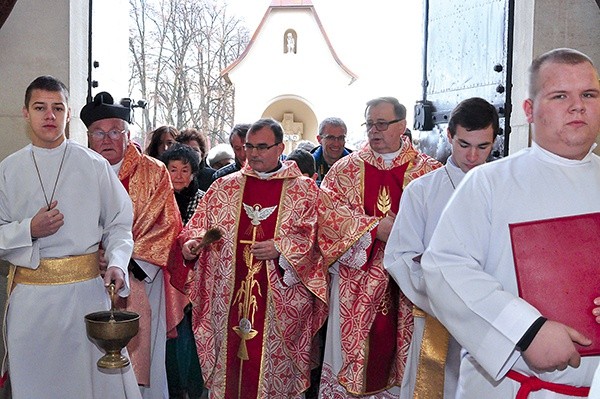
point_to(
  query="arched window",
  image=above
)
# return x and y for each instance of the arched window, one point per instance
(290, 42)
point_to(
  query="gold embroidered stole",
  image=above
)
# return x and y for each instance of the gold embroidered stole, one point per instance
(247, 324)
(382, 191)
(429, 382)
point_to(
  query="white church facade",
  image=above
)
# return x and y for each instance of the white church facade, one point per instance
(290, 72)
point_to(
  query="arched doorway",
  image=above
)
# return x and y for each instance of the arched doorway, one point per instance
(297, 118)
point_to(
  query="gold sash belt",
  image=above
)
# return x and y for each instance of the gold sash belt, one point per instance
(432, 358)
(54, 271)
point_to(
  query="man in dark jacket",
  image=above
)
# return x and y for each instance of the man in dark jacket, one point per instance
(237, 139)
(332, 137)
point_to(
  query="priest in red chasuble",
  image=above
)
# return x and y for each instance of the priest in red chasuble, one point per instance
(156, 224)
(370, 321)
(260, 291)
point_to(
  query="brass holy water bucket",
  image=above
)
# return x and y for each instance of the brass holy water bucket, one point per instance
(111, 330)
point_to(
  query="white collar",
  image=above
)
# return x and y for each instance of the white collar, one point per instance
(266, 175)
(549, 156)
(117, 167)
(389, 157)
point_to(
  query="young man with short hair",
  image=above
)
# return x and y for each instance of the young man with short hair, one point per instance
(472, 129)
(59, 202)
(510, 349)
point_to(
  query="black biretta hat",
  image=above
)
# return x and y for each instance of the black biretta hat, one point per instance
(103, 107)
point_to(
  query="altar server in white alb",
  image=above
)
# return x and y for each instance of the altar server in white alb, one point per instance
(468, 268)
(58, 202)
(472, 129)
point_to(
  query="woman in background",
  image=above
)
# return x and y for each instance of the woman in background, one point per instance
(183, 369)
(199, 143)
(160, 140)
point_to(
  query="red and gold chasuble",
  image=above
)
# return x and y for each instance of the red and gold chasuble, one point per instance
(156, 224)
(375, 317)
(243, 306)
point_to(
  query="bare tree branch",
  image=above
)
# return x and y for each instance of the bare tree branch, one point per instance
(179, 48)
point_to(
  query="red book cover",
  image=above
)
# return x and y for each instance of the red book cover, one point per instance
(557, 263)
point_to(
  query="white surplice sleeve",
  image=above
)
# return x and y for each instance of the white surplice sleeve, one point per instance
(117, 220)
(16, 244)
(465, 295)
(406, 244)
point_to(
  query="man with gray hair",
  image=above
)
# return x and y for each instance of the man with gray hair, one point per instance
(332, 137)
(370, 320)
(156, 224)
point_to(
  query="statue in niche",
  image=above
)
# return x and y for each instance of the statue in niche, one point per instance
(289, 42)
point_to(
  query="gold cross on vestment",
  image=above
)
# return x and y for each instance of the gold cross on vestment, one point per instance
(245, 297)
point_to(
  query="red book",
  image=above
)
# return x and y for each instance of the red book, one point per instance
(557, 262)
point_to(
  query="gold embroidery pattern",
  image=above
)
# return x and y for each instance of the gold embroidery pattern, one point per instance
(385, 304)
(384, 200)
(55, 271)
(247, 303)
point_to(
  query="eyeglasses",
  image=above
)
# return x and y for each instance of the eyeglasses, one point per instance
(260, 148)
(381, 126)
(99, 134)
(339, 139)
